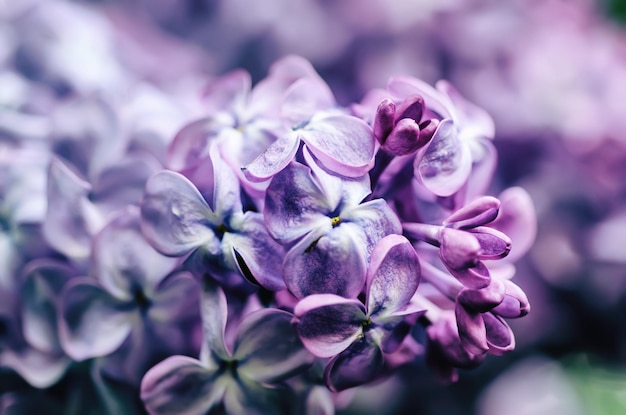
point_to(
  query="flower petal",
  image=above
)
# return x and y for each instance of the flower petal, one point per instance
(479, 211)
(493, 243)
(328, 323)
(499, 335)
(226, 189)
(267, 347)
(362, 362)
(459, 249)
(71, 218)
(92, 322)
(246, 396)
(515, 303)
(403, 87)
(175, 298)
(471, 330)
(275, 158)
(175, 218)
(180, 385)
(258, 257)
(344, 144)
(303, 99)
(122, 259)
(518, 220)
(43, 282)
(214, 313)
(484, 299)
(294, 204)
(39, 369)
(474, 121)
(376, 220)
(447, 162)
(327, 261)
(392, 276)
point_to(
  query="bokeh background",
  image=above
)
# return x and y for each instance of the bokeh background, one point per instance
(552, 73)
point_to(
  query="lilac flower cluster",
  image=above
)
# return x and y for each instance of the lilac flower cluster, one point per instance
(277, 250)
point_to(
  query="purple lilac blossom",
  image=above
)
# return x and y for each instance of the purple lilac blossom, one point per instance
(276, 182)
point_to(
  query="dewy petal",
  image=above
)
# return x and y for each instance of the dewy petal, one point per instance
(91, 321)
(493, 243)
(362, 362)
(174, 216)
(267, 347)
(258, 257)
(500, 337)
(214, 313)
(326, 261)
(180, 385)
(43, 282)
(294, 204)
(392, 276)
(344, 144)
(518, 220)
(275, 158)
(479, 211)
(303, 99)
(446, 163)
(71, 218)
(328, 323)
(123, 260)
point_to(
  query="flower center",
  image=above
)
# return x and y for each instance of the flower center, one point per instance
(335, 221)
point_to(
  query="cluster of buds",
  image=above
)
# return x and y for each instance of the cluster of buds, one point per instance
(283, 249)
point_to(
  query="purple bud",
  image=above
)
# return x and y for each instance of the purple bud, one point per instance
(411, 108)
(515, 303)
(476, 213)
(404, 138)
(384, 120)
(484, 299)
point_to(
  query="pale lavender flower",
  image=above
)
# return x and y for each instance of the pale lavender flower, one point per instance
(358, 336)
(329, 232)
(245, 377)
(133, 291)
(177, 220)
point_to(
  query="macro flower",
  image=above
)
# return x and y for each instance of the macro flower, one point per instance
(355, 335)
(329, 232)
(133, 291)
(177, 220)
(245, 377)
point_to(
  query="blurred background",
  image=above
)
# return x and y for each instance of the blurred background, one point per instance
(552, 73)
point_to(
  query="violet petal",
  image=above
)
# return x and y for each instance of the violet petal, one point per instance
(344, 144)
(267, 347)
(275, 158)
(294, 204)
(362, 362)
(479, 211)
(447, 162)
(384, 120)
(500, 337)
(327, 261)
(484, 299)
(471, 330)
(328, 323)
(180, 385)
(92, 321)
(175, 218)
(392, 276)
(493, 243)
